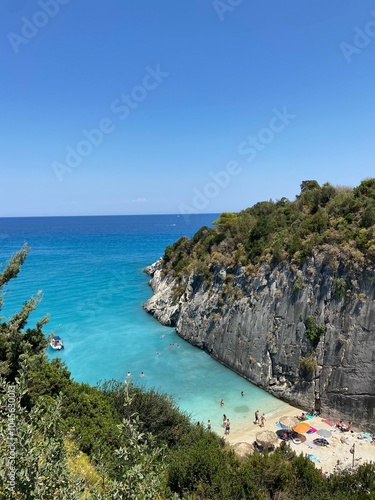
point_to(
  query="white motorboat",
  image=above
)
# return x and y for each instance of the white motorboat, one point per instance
(56, 343)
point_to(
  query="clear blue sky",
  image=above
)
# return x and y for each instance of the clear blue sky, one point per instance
(265, 90)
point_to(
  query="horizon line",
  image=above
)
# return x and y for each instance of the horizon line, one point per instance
(106, 215)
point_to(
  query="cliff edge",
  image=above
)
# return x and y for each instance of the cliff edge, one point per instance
(300, 327)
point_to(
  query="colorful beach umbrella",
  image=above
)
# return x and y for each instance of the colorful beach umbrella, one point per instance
(302, 427)
(288, 422)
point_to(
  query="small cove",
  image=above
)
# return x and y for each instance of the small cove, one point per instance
(91, 272)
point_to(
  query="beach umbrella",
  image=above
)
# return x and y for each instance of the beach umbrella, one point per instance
(283, 434)
(302, 427)
(321, 442)
(266, 438)
(288, 422)
(324, 432)
(243, 449)
(300, 437)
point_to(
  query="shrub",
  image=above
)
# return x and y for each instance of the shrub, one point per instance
(297, 286)
(340, 288)
(321, 216)
(178, 292)
(308, 366)
(201, 466)
(313, 330)
(181, 267)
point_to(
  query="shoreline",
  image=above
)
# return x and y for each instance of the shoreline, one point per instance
(334, 457)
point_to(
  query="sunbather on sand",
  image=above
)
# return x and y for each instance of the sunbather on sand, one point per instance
(340, 425)
(343, 427)
(346, 428)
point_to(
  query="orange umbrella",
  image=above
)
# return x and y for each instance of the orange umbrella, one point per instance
(302, 427)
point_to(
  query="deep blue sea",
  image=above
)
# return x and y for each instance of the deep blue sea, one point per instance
(90, 270)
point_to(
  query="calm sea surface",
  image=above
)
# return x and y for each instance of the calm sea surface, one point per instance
(90, 270)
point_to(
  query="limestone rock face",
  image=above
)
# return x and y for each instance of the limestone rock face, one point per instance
(255, 325)
(162, 304)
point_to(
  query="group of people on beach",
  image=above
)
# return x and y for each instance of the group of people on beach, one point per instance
(226, 424)
(226, 421)
(343, 427)
(260, 421)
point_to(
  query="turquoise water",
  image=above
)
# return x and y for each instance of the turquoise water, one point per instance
(90, 270)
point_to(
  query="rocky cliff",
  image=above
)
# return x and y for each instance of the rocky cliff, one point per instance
(304, 333)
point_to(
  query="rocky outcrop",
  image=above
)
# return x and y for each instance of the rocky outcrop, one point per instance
(256, 326)
(162, 304)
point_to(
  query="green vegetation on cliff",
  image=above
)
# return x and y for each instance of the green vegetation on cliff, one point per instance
(336, 220)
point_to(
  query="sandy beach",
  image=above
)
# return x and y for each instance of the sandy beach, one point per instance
(334, 457)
